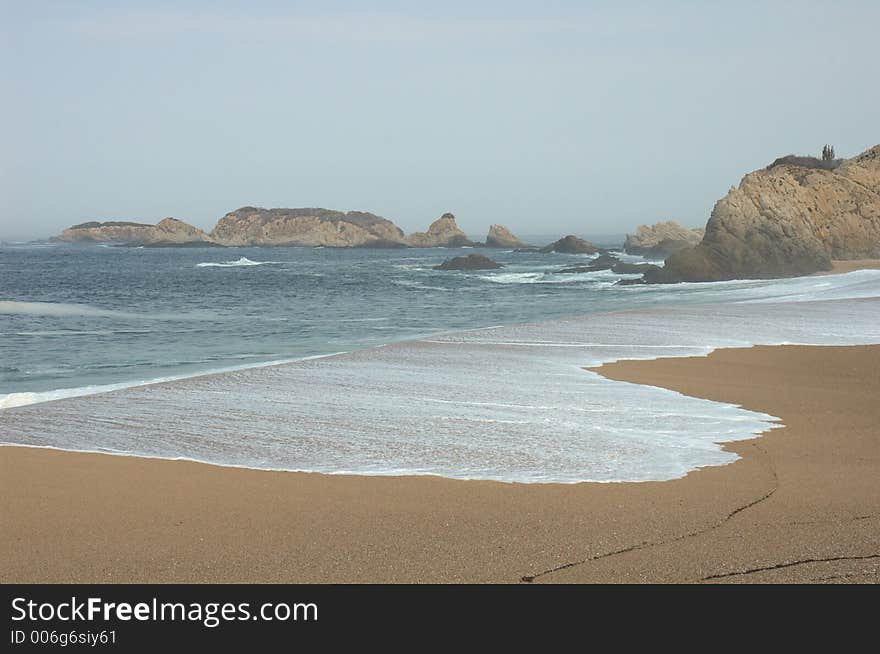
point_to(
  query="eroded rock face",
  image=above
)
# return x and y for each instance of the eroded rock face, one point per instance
(307, 227)
(443, 232)
(470, 262)
(661, 239)
(787, 220)
(571, 245)
(168, 232)
(501, 237)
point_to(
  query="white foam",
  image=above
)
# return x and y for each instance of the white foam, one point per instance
(243, 261)
(11, 400)
(505, 403)
(60, 309)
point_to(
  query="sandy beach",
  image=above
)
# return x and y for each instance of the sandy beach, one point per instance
(802, 504)
(838, 267)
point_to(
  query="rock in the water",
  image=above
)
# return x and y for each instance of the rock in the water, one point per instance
(571, 245)
(169, 232)
(632, 281)
(470, 262)
(787, 220)
(443, 232)
(622, 268)
(308, 227)
(501, 237)
(602, 262)
(661, 239)
(529, 248)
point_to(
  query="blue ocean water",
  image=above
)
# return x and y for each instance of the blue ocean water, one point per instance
(79, 316)
(466, 375)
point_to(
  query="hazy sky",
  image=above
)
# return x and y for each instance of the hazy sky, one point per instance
(545, 116)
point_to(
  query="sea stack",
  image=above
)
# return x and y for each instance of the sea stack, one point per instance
(307, 227)
(443, 232)
(169, 232)
(501, 237)
(791, 218)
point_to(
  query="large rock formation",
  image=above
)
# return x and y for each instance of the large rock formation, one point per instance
(501, 237)
(786, 220)
(571, 245)
(470, 262)
(443, 232)
(661, 239)
(168, 232)
(309, 227)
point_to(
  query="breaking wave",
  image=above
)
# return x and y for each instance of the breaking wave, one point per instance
(238, 263)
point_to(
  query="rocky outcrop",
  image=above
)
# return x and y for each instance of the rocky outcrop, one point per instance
(622, 268)
(307, 227)
(787, 220)
(470, 262)
(602, 262)
(571, 245)
(501, 237)
(661, 239)
(443, 232)
(168, 232)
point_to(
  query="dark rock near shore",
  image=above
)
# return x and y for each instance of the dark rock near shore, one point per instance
(602, 262)
(470, 262)
(571, 245)
(622, 268)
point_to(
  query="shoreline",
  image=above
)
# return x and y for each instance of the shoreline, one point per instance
(839, 267)
(790, 509)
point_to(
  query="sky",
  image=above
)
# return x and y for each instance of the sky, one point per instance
(548, 117)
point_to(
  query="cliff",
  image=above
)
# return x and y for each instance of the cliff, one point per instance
(787, 219)
(309, 227)
(661, 239)
(501, 237)
(443, 232)
(168, 232)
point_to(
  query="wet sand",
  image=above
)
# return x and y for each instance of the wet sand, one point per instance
(802, 504)
(838, 267)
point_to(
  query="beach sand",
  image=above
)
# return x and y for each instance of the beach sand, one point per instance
(838, 267)
(801, 505)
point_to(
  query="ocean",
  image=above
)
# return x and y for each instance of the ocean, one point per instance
(371, 362)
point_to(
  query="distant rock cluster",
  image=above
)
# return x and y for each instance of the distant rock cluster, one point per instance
(790, 218)
(255, 226)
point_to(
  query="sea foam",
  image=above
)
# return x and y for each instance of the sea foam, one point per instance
(238, 263)
(507, 403)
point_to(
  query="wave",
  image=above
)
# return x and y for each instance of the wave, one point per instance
(550, 277)
(504, 403)
(62, 309)
(11, 400)
(408, 283)
(238, 263)
(82, 332)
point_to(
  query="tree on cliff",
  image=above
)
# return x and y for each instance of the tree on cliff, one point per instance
(828, 153)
